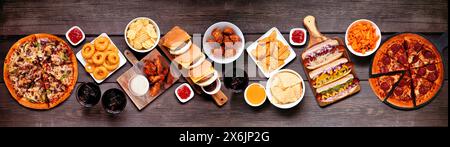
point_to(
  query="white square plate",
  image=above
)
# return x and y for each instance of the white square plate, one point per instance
(122, 61)
(279, 37)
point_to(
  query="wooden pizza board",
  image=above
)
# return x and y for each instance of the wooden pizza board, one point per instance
(315, 38)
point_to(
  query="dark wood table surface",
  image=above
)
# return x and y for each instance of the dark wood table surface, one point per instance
(19, 18)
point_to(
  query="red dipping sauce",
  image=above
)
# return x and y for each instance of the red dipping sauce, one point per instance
(298, 36)
(75, 35)
(184, 92)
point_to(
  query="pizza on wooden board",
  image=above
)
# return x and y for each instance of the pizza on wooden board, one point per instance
(40, 71)
(421, 68)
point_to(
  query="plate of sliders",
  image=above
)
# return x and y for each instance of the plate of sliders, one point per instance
(271, 52)
(190, 60)
(328, 67)
(101, 58)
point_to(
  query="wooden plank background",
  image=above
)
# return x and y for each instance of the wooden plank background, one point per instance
(19, 18)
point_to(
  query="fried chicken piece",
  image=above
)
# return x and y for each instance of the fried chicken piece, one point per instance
(154, 90)
(228, 31)
(217, 35)
(235, 38)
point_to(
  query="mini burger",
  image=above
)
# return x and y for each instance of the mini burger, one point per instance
(204, 74)
(193, 57)
(322, 53)
(346, 86)
(177, 40)
(330, 72)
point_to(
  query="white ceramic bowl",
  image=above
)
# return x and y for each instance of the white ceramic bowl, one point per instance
(82, 37)
(304, 37)
(368, 53)
(289, 105)
(246, 99)
(157, 33)
(218, 86)
(188, 98)
(207, 48)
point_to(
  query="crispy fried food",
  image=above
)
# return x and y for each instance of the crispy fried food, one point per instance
(154, 90)
(226, 39)
(270, 52)
(228, 31)
(235, 38)
(89, 68)
(217, 35)
(100, 73)
(112, 57)
(110, 66)
(101, 43)
(87, 51)
(99, 58)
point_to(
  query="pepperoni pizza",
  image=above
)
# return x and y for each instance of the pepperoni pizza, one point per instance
(407, 71)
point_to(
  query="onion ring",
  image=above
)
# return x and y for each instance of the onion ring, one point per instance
(101, 43)
(110, 66)
(100, 73)
(112, 57)
(112, 48)
(89, 61)
(89, 68)
(87, 51)
(99, 58)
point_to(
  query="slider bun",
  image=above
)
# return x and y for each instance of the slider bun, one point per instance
(181, 50)
(210, 80)
(199, 62)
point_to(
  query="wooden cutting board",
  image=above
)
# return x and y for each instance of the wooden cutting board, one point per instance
(219, 98)
(315, 37)
(142, 101)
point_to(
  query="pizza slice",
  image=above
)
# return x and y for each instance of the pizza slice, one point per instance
(402, 95)
(383, 84)
(30, 90)
(425, 56)
(431, 72)
(58, 80)
(397, 52)
(424, 90)
(386, 64)
(412, 47)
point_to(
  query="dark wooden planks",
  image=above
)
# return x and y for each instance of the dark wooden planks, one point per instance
(19, 17)
(362, 109)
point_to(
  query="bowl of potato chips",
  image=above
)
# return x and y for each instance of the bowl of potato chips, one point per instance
(142, 34)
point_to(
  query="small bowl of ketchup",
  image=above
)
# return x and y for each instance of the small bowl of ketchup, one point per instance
(297, 36)
(75, 35)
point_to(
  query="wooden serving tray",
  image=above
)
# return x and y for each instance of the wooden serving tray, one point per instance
(219, 98)
(315, 38)
(142, 101)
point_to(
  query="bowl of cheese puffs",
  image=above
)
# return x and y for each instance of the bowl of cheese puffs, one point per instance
(142, 34)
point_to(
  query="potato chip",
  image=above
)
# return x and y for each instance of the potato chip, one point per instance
(131, 34)
(148, 43)
(137, 44)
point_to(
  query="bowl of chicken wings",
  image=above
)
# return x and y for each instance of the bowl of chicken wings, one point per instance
(223, 42)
